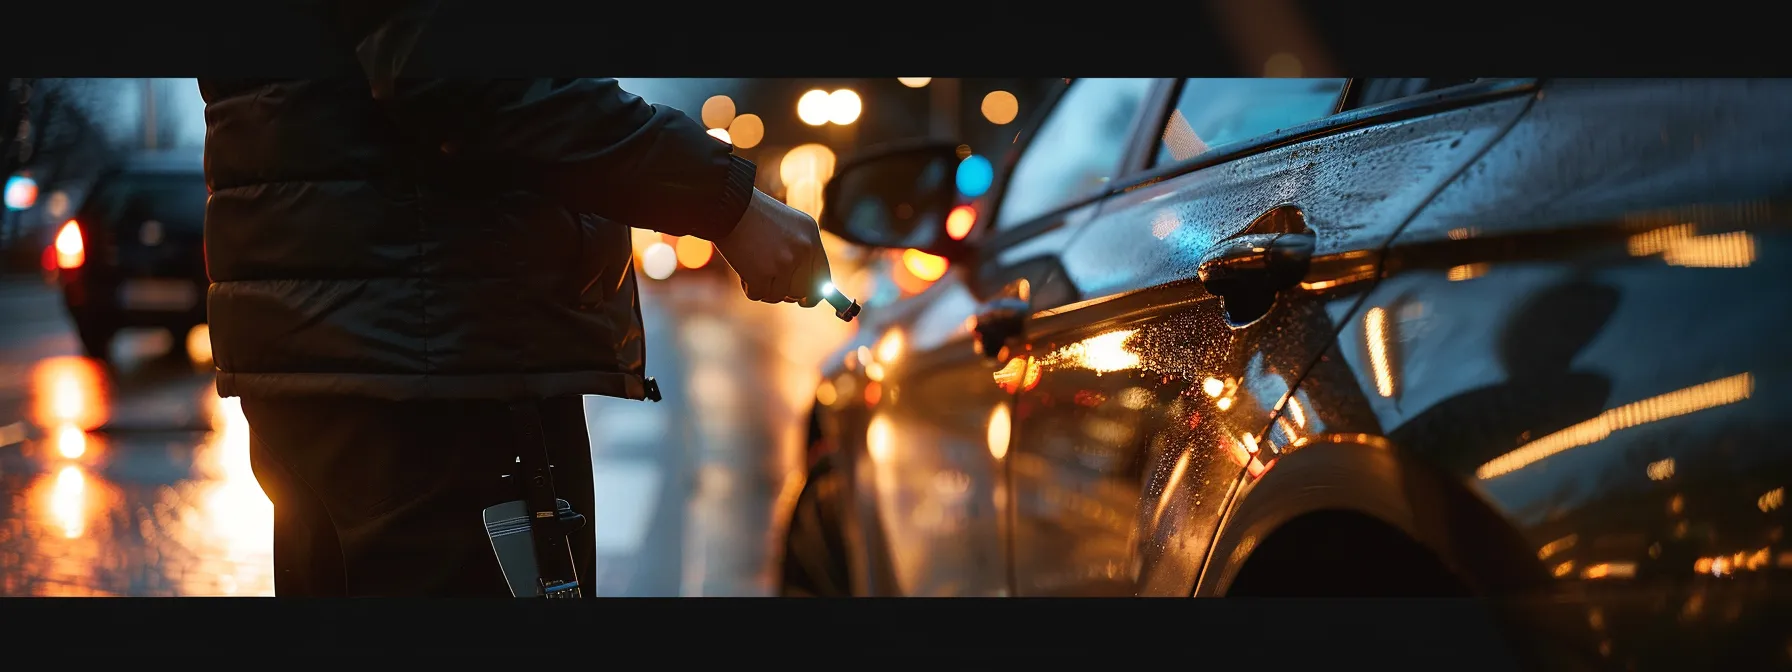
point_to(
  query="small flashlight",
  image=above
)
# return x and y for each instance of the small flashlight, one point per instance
(844, 308)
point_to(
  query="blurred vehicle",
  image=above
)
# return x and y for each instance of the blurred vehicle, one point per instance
(1325, 337)
(133, 254)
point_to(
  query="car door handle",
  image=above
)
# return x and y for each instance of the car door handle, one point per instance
(997, 323)
(1247, 271)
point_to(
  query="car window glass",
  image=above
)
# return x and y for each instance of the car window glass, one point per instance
(1387, 89)
(176, 200)
(1214, 112)
(1076, 152)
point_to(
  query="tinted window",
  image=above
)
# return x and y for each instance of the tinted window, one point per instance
(1382, 90)
(174, 199)
(1076, 151)
(1214, 112)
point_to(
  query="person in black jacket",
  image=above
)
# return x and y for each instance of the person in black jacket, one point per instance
(395, 258)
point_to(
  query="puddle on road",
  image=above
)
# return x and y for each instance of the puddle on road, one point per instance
(173, 513)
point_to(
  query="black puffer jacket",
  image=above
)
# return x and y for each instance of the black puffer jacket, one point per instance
(384, 235)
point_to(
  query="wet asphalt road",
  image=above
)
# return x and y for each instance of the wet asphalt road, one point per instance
(135, 480)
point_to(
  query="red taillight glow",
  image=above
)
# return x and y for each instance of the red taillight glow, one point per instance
(959, 221)
(70, 251)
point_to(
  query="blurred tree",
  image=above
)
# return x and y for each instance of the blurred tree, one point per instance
(69, 144)
(15, 124)
(47, 128)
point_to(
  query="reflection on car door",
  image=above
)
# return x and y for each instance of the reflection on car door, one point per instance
(1581, 336)
(918, 402)
(1149, 399)
(937, 414)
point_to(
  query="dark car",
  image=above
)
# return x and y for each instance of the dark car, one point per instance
(1326, 337)
(133, 255)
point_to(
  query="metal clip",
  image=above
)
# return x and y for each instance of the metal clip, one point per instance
(652, 388)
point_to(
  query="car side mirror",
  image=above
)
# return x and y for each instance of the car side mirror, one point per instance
(905, 197)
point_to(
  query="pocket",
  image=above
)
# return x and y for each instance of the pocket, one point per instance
(605, 255)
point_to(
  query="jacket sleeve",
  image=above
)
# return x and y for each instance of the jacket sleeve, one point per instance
(584, 142)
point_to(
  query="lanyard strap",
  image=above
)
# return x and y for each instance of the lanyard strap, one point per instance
(553, 561)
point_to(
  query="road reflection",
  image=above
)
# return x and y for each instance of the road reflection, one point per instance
(134, 479)
(139, 511)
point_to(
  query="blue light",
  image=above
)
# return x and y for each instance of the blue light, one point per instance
(974, 176)
(21, 192)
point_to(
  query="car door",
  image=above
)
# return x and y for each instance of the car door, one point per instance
(1202, 285)
(1578, 341)
(926, 415)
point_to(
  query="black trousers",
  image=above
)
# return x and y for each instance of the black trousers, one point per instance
(379, 498)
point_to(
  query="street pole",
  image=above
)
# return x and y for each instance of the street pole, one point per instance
(149, 113)
(942, 96)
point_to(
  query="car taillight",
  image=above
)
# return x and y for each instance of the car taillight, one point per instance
(71, 252)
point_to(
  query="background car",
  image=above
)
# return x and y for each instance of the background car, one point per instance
(133, 255)
(1328, 337)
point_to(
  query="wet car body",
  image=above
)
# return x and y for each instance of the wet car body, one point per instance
(1508, 338)
(141, 233)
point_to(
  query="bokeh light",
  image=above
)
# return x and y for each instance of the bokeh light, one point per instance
(1000, 107)
(69, 390)
(659, 261)
(890, 347)
(694, 252)
(199, 344)
(1001, 423)
(959, 221)
(844, 107)
(814, 108)
(721, 134)
(57, 206)
(641, 239)
(804, 169)
(914, 82)
(21, 192)
(1282, 64)
(71, 442)
(923, 265)
(747, 131)
(809, 161)
(718, 111)
(974, 176)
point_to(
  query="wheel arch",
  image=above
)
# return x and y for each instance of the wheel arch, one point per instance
(1364, 484)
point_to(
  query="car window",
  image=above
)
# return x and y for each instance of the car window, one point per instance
(1385, 89)
(1076, 151)
(1214, 112)
(174, 199)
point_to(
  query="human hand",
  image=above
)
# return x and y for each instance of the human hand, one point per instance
(776, 250)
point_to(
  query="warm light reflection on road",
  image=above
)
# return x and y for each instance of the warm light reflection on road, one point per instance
(90, 525)
(71, 442)
(68, 501)
(68, 391)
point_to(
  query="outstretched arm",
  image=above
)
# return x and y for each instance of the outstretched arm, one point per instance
(584, 142)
